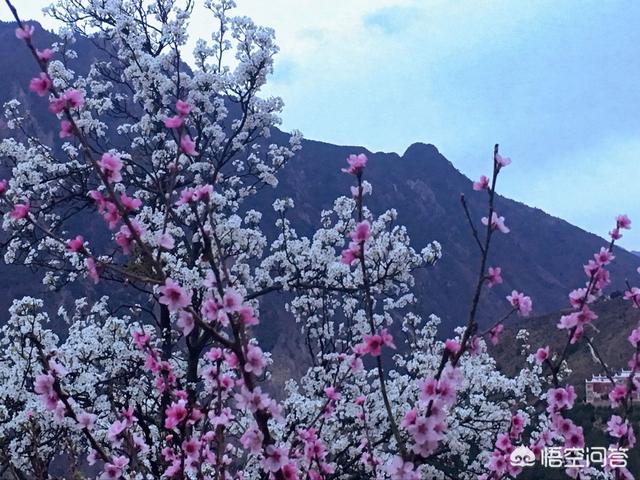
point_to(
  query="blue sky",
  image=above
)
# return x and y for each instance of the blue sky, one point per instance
(557, 84)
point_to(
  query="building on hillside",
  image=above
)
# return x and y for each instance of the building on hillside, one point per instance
(598, 388)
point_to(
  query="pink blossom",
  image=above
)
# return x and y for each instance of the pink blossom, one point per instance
(90, 265)
(276, 458)
(111, 214)
(579, 318)
(481, 184)
(251, 439)
(175, 413)
(110, 165)
(166, 241)
(577, 297)
(183, 108)
(504, 443)
(520, 302)
(634, 338)
(20, 210)
(496, 223)
(209, 309)
(359, 236)
(69, 99)
(591, 268)
(617, 394)
(141, 339)
(57, 105)
(99, 198)
(493, 276)
(633, 295)
(175, 469)
(356, 164)
(43, 384)
(231, 359)
(139, 443)
(410, 417)
(517, 425)
(41, 84)
(73, 98)
(76, 244)
(426, 429)
(332, 393)
(452, 346)
(475, 346)
(129, 416)
(574, 438)
(3, 187)
(174, 296)
(602, 279)
(622, 221)
(542, 354)
(92, 457)
(604, 256)
(387, 338)
(398, 469)
(202, 193)
(497, 463)
(188, 146)
(428, 390)
(192, 448)
(114, 470)
(617, 427)
(585, 315)
(615, 234)
(25, 32)
(129, 203)
(66, 129)
(502, 161)
(560, 398)
(116, 429)
(186, 196)
(255, 361)
(349, 255)
(372, 344)
(290, 471)
(495, 332)
(215, 354)
(173, 122)
(247, 316)
(355, 364)
(125, 237)
(56, 368)
(446, 393)
(224, 419)
(362, 232)
(231, 301)
(44, 55)
(185, 322)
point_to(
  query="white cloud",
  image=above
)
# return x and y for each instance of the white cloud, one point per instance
(589, 187)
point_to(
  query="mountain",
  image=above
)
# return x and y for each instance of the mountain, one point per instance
(635, 252)
(542, 256)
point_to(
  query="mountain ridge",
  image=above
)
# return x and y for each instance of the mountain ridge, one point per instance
(542, 256)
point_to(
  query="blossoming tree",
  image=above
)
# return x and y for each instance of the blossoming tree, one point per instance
(163, 376)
